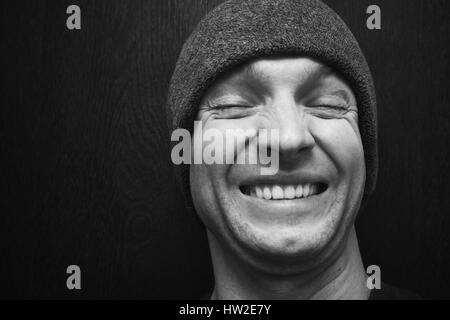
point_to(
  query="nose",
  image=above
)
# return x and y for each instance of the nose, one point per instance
(294, 133)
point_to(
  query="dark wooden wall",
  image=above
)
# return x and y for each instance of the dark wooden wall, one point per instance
(86, 172)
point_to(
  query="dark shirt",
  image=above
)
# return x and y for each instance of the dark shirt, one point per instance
(386, 292)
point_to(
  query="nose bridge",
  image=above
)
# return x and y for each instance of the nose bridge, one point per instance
(294, 134)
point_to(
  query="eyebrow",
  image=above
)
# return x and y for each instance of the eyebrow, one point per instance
(342, 93)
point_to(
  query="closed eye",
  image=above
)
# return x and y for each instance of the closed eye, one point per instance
(330, 111)
(330, 106)
(231, 111)
(229, 106)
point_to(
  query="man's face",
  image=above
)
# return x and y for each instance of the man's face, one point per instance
(306, 209)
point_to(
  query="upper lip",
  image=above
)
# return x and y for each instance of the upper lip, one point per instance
(285, 178)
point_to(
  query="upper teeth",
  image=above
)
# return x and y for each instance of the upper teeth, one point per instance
(279, 192)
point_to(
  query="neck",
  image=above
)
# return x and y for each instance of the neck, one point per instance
(343, 278)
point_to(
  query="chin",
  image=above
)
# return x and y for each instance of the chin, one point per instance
(301, 239)
(284, 233)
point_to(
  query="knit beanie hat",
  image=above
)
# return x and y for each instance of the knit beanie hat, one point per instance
(238, 31)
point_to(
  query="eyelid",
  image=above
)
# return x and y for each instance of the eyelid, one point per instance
(339, 95)
(337, 101)
(229, 106)
(333, 112)
(352, 107)
(221, 104)
(330, 105)
(347, 108)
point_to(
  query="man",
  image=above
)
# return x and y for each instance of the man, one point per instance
(292, 66)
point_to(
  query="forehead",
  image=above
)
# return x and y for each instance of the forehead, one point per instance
(284, 68)
(279, 72)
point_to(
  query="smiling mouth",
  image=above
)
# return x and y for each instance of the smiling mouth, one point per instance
(283, 192)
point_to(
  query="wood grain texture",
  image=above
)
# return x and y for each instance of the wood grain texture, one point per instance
(86, 164)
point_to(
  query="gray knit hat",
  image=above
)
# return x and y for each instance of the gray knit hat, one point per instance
(241, 30)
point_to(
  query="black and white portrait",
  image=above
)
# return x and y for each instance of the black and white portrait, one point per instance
(225, 150)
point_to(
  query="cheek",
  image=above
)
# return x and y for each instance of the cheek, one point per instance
(207, 183)
(202, 192)
(341, 141)
(207, 190)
